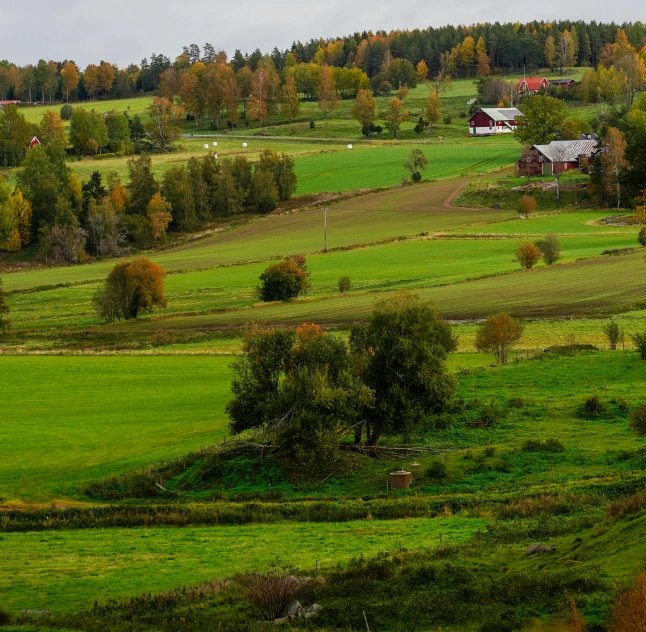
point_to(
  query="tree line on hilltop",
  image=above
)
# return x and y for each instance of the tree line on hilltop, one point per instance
(509, 47)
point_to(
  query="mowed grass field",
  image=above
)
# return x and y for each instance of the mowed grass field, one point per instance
(68, 570)
(595, 286)
(134, 106)
(410, 264)
(383, 166)
(220, 272)
(362, 220)
(67, 420)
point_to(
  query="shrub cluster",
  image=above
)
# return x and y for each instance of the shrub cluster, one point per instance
(285, 280)
(549, 445)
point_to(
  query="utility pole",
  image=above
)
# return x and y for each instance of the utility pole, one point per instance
(325, 229)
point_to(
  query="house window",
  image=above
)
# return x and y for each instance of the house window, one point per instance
(529, 158)
(540, 159)
(471, 123)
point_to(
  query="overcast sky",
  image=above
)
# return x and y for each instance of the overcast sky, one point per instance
(124, 31)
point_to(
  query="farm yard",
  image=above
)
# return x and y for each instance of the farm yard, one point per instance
(161, 460)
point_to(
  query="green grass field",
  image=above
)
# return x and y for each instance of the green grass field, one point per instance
(66, 420)
(133, 106)
(403, 265)
(84, 401)
(362, 220)
(383, 166)
(65, 571)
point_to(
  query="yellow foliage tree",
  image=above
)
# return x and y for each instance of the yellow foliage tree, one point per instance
(70, 76)
(326, 91)
(422, 70)
(17, 213)
(432, 109)
(51, 131)
(159, 215)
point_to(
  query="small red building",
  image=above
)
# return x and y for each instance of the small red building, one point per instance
(557, 157)
(34, 142)
(564, 84)
(532, 85)
(491, 121)
(4, 104)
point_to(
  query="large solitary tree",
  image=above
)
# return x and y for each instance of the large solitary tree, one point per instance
(133, 287)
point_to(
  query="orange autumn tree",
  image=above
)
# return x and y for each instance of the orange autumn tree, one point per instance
(132, 288)
(119, 198)
(498, 335)
(70, 76)
(159, 215)
(528, 254)
(527, 205)
(92, 79)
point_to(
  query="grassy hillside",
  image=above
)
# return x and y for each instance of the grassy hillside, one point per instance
(500, 494)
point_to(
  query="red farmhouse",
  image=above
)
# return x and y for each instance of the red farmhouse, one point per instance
(557, 157)
(34, 142)
(532, 85)
(490, 121)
